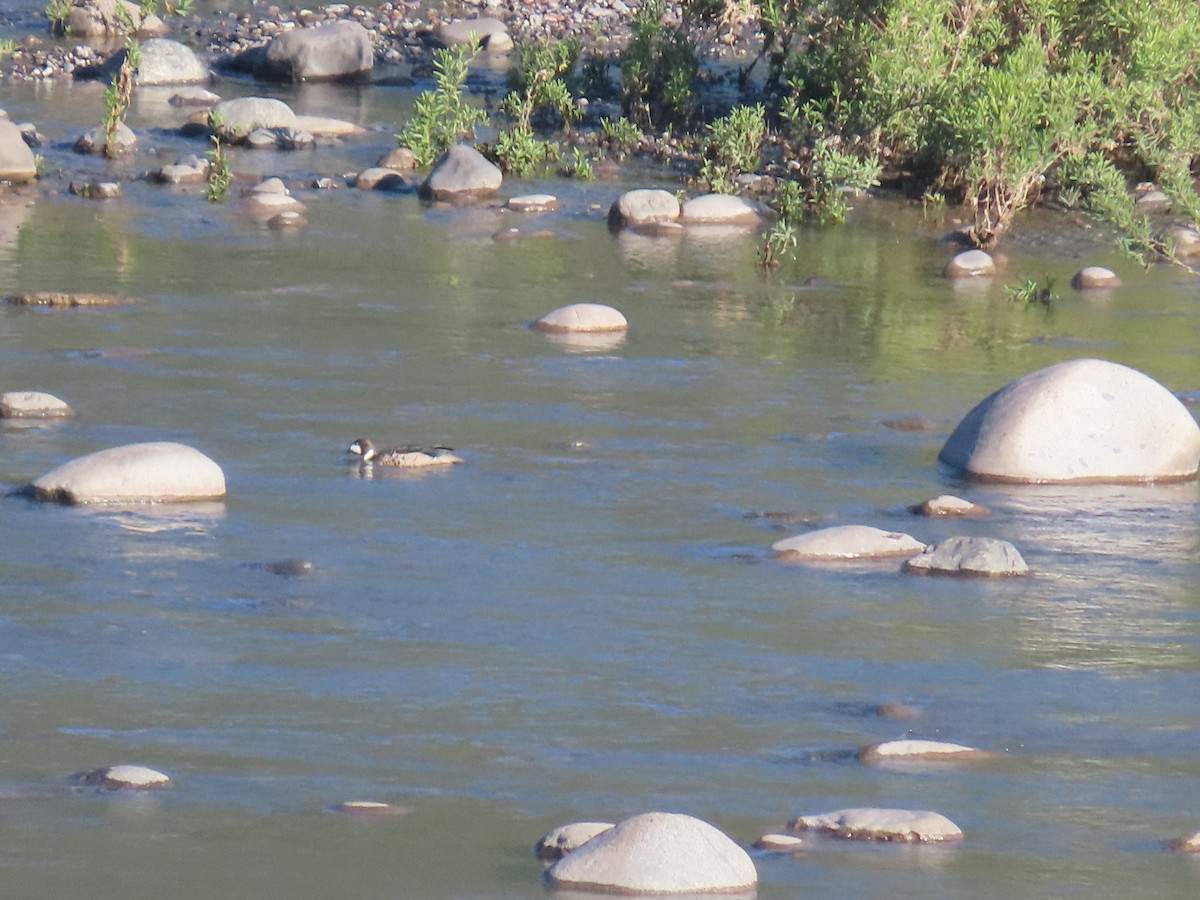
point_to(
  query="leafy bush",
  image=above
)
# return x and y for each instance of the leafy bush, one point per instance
(658, 69)
(443, 117)
(734, 146)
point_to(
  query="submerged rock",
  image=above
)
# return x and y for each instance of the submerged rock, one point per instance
(1083, 420)
(63, 300)
(947, 506)
(124, 777)
(135, 473)
(534, 203)
(32, 405)
(582, 317)
(657, 853)
(568, 838)
(96, 140)
(875, 824)
(379, 178)
(846, 542)
(969, 556)
(369, 809)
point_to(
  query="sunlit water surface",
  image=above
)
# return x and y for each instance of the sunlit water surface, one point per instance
(553, 632)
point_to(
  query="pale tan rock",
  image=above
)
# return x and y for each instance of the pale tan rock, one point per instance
(123, 777)
(499, 42)
(369, 809)
(234, 120)
(135, 473)
(324, 126)
(568, 838)
(931, 751)
(1083, 420)
(846, 542)
(534, 203)
(470, 31)
(582, 317)
(1092, 278)
(401, 159)
(947, 506)
(874, 824)
(32, 405)
(17, 162)
(720, 209)
(644, 207)
(778, 842)
(462, 173)
(657, 853)
(1185, 240)
(970, 264)
(378, 178)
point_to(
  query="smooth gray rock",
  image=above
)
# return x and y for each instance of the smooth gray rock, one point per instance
(378, 178)
(1083, 420)
(194, 96)
(657, 853)
(643, 207)
(234, 120)
(162, 61)
(875, 824)
(462, 173)
(135, 473)
(401, 159)
(470, 31)
(17, 162)
(970, 264)
(95, 141)
(567, 839)
(969, 556)
(123, 777)
(846, 543)
(335, 52)
(947, 506)
(720, 209)
(32, 405)
(1091, 278)
(96, 18)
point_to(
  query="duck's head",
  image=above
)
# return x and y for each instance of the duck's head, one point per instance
(364, 448)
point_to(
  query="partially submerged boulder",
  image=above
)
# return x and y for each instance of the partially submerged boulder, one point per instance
(980, 556)
(657, 853)
(947, 506)
(1083, 420)
(17, 162)
(567, 839)
(234, 120)
(120, 778)
(161, 61)
(136, 473)
(1189, 844)
(32, 405)
(97, 140)
(720, 209)
(925, 751)
(875, 824)
(846, 542)
(340, 51)
(65, 300)
(462, 173)
(582, 317)
(643, 207)
(1095, 278)
(970, 264)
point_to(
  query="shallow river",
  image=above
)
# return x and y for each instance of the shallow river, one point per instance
(551, 633)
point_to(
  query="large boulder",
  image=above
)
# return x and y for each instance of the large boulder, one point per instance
(981, 556)
(135, 473)
(720, 209)
(463, 173)
(644, 207)
(95, 18)
(1083, 420)
(234, 120)
(162, 61)
(874, 824)
(846, 542)
(336, 52)
(17, 162)
(32, 405)
(582, 317)
(657, 853)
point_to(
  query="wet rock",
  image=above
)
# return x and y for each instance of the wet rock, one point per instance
(895, 710)
(873, 824)
(234, 120)
(643, 207)
(262, 139)
(17, 162)
(846, 542)
(325, 126)
(720, 209)
(401, 159)
(778, 843)
(32, 405)
(60, 300)
(161, 61)
(97, 18)
(1095, 278)
(657, 853)
(499, 42)
(582, 317)
(462, 173)
(381, 179)
(121, 778)
(970, 264)
(947, 506)
(288, 220)
(534, 203)
(95, 140)
(265, 206)
(340, 51)
(981, 556)
(1185, 240)
(1189, 844)
(568, 838)
(136, 473)
(188, 170)
(469, 31)
(98, 190)
(369, 809)
(1083, 420)
(930, 751)
(194, 96)
(290, 568)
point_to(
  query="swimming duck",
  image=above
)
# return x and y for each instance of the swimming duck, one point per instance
(403, 457)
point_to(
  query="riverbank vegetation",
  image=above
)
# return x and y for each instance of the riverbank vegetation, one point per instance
(993, 105)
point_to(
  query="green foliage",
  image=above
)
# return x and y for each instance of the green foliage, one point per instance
(579, 166)
(1033, 292)
(542, 74)
(781, 241)
(994, 103)
(180, 7)
(519, 151)
(58, 12)
(7, 48)
(118, 95)
(220, 176)
(658, 69)
(443, 117)
(621, 135)
(148, 7)
(734, 146)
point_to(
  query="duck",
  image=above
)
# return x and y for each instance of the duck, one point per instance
(403, 457)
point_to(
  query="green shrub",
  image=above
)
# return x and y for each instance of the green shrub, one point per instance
(443, 117)
(658, 69)
(734, 147)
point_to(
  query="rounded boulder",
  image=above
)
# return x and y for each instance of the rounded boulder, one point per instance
(979, 556)
(643, 207)
(567, 839)
(233, 120)
(334, 52)
(1083, 420)
(135, 473)
(970, 264)
(720, 209)
(657, 853)
(462, 173)
(1095, 278)
(846, 542)
(582, 318)
(32, 405)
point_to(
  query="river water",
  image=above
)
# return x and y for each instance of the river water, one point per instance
(554, 632)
